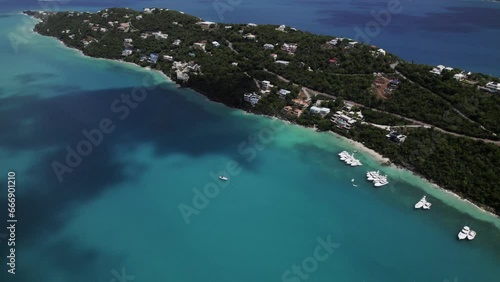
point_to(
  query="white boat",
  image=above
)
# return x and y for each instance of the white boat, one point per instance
(427, 206)
(381, 182)
(354, 185)
(223, 178)
(464, 233)
(371, 175)
(352, 180)
(355, 163)
(343, 153)
(420, 203)
(471, 235)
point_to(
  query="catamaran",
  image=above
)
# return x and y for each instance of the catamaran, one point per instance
(464, 233)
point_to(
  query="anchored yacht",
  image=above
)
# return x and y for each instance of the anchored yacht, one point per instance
(421, 203)
(464, 233)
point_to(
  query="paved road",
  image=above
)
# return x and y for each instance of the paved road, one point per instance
(414, 121)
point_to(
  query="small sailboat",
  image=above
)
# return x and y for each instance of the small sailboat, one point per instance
(223, 178)
(464, 233)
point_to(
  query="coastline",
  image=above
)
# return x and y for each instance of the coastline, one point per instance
(359, 146)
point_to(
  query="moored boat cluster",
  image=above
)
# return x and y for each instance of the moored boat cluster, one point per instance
(378, 180)
(466, 232)
(423, 204)
(349, 159)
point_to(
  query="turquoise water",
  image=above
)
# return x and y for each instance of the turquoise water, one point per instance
(119, 208)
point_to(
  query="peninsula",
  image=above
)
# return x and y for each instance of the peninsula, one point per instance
(437, 121)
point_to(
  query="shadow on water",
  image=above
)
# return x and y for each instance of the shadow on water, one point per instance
(164, 119)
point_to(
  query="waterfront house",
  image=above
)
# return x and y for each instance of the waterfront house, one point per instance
(252, 98)
(289, 47)
(268, 46)
(333, 61)
(351, 44)
(182, 76)
(177, 42)
(265, 85)
(381, 52)
(333, 42)
(283, 93)
(138, 17)
(249, 36)
(494, 86)
(287, 109)
(153, 58)
(281, 28)
(127, 52)
(251, 25)
(394, 82)
(342, 120)
(148, 10)
(297, 112)
(300, 103)
(319, 110)
(207, 25)
(396, 137)
(459, 76)
(215, 43)
(160, 35)
(199, 46)
(168, 58)
(124, 27)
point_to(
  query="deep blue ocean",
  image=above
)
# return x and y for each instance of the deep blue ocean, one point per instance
(129, 207)
(457, 33)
